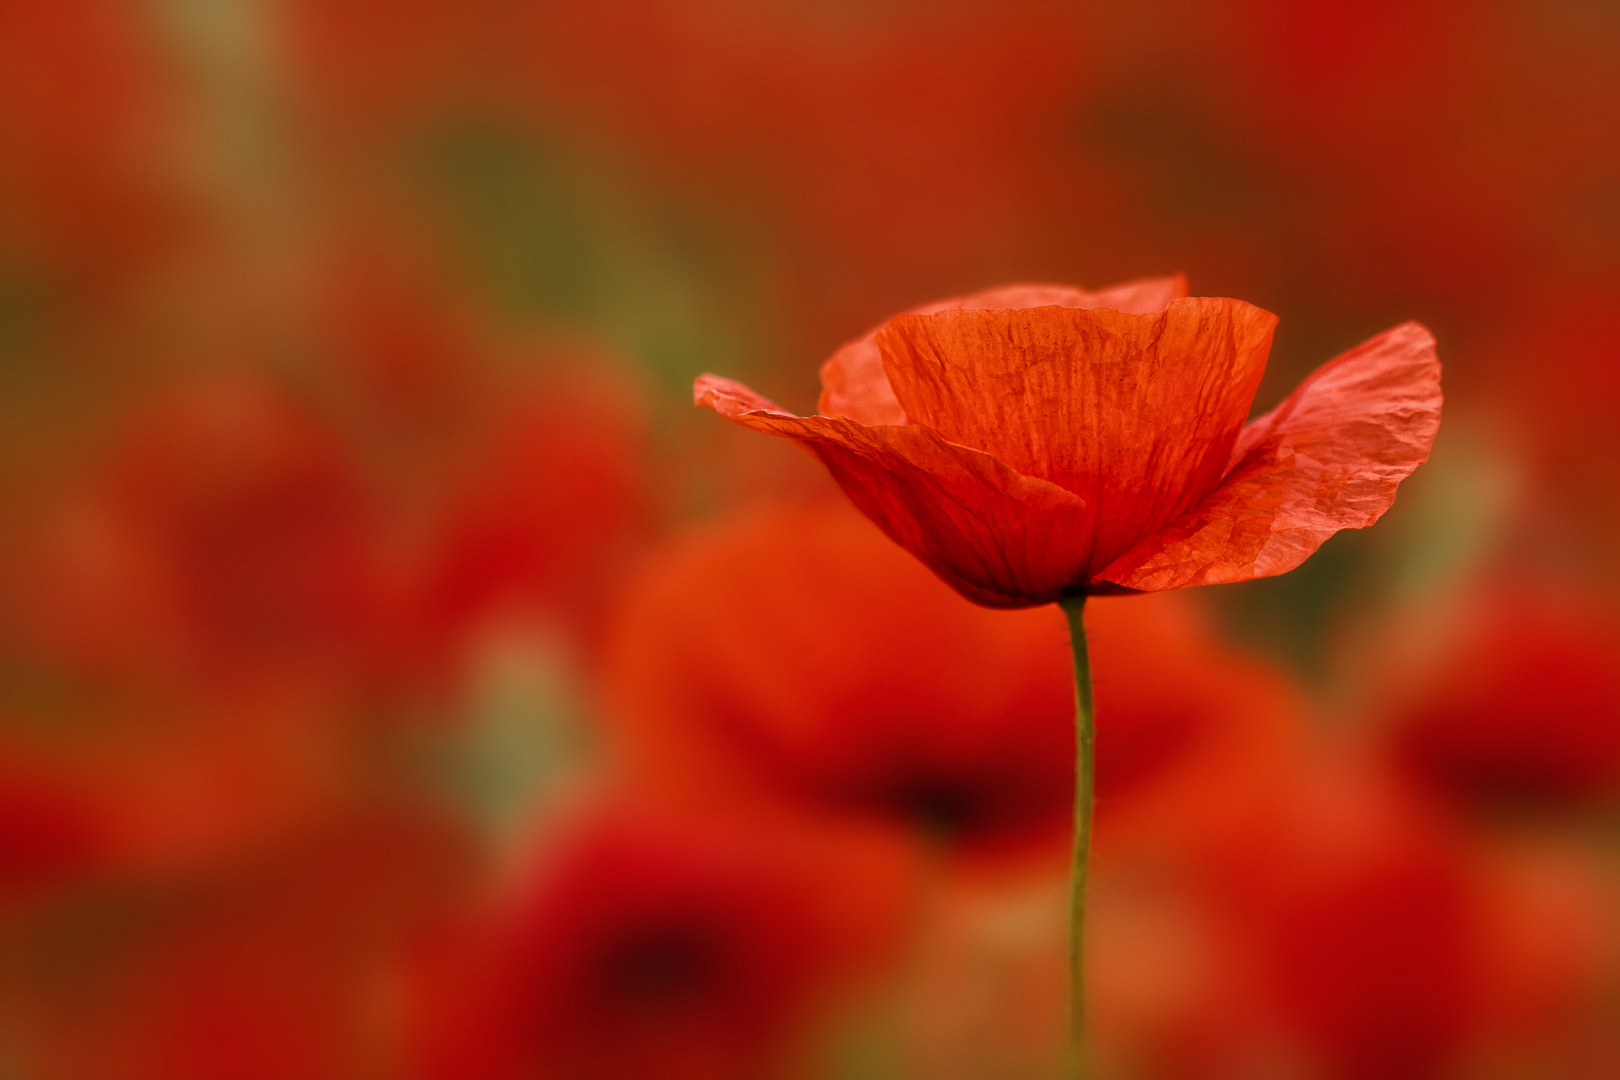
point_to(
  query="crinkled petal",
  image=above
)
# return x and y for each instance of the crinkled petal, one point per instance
(1136, 414)
(854, 384)
(998, 537)
(1328, 458)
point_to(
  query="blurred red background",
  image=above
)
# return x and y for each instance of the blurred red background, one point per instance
(398, 677)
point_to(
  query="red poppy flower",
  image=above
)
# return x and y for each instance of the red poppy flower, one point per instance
(542, 506)
(798, 657)
(1519, 702)
(1324, 922)
(646, 946)
(1366, 946)
(799, 660)
(271, 967)
(1181, 715)
(1033, 442)
(1375, 938)
(228, 531)
(1315, 918)
(119, 782)
(46, 833)
(520, 463)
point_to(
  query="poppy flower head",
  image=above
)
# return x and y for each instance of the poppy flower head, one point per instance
(1027, 453)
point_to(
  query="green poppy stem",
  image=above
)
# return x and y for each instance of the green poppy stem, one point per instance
(1084, 744)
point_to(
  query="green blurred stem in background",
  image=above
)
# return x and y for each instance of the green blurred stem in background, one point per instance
(1084, 745)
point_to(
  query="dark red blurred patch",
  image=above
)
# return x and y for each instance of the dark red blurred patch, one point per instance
(1359, 914)
(1521, 707)
(280, 965)
(161, 790)
(226, 533)
(46, 834)
(798, 654)
(259, 515)
(1165, 686)
(651, 947)
(543, 504)
(1375, 964)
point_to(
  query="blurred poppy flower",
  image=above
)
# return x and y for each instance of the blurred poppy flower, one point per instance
(405, 351)
(227, 531)
(1548, 936)
(1181, 714)
(797, 653)
(1323, 930)
(270, 967)
(519, 466)
(121, 785)
(640, 945)
(1365, 942)
(47, 833)
(542, 505)
(1517, 702)
(1034, 442)
(1308, 917)
(1372, 938)
(797, 657)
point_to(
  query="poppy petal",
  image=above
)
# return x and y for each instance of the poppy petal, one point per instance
(999, 537)
(853, 381)
(1328, 458)
(1136, 414)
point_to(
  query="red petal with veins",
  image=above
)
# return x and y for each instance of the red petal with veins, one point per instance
(1000, 538)
(1135, 414)
(853, 381)
(1328, 458)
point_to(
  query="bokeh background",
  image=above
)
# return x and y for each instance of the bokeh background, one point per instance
(399, 678)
